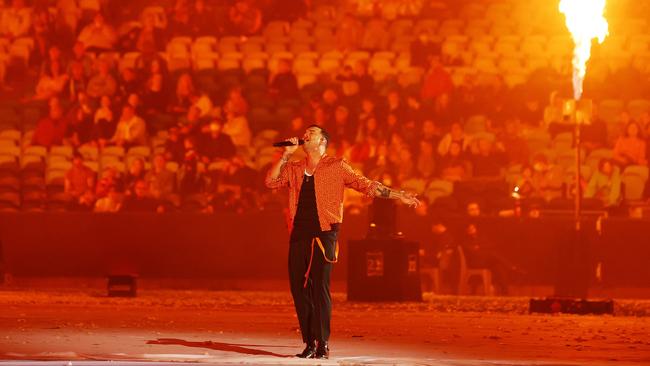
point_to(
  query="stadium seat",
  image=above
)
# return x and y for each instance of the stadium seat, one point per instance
(636, 108)
(116, 151)
(63, 151)
(634, 179)
(89, 152)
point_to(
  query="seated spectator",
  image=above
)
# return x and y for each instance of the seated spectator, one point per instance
(98, 36)
(426, 162)
(83, 101)
(103, 126)
(214, 144)
(78, 82)
(410, 131)
(128, 84)
(436, 82)
(141, 201)
(236, 103)
(184, 96)
(54, 55)
(79, 127)
(594, 134)
(148, 55)
(79, 55)
(395, 105)
(364, 80)
(630, 149)
(296, 127)
(79, 183)
(154, 96)
(480, 253)
(245, 18)
(103, 83)
(368, 137)
(455, 134)
(605, 184)
(367, 110)
(453, 166)
(415, 110)
(473, 209)
(237, 128)
(161, 181)
(174, 146)
(423, 49)
(239, 174)
(69, 14)
(330, 100)
(485, 160)
(191, 177)
(348, 85)
(148, 35)
(15, 21)
(342, 129)
(444, 112)
(380, 164)
(283, 83)
(111, 179)
(110, 203)
(179, 24)
(405, 166)
(525, 185)
(548, 178)
(51, 129)
(442, 253)
(131, 129)
(44, 31)
(51, 83)
(431, 132)
(511, 142)
(190, 124)
(135, 173)
(204, 21)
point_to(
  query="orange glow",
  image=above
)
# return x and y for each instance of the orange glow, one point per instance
(585, 21)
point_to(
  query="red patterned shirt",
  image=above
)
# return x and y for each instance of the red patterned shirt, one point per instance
(331, 177)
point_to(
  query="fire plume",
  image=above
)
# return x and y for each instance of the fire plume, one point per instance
(585, 21)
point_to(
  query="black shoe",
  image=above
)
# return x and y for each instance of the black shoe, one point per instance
(322, 351)
(309, 351)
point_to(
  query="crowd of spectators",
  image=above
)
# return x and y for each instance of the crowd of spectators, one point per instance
(180, 142)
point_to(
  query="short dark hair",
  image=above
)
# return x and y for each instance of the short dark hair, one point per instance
(323, 132)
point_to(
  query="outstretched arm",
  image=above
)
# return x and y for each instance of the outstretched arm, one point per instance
(406, 197)
(372, 188)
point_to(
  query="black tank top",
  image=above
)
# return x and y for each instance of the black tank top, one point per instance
(306, 220)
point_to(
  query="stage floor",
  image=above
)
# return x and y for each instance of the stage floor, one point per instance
(246, 327)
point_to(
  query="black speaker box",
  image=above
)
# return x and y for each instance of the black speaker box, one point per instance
(122, 285)
(383, 270)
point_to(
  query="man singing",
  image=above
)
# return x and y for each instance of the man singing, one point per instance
(316, 186)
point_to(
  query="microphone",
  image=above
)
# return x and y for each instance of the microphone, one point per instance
(287, 143)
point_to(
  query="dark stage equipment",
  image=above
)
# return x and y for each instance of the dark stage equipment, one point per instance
(571, 306)
(122, 285)
(383, 270)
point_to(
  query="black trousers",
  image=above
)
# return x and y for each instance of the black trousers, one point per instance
(312, 297)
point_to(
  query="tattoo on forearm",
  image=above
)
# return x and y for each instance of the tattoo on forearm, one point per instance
(384, 192)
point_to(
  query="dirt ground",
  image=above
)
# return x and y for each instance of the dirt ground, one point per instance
(248, 327)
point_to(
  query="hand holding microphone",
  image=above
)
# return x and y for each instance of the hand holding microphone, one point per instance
(290, 146)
